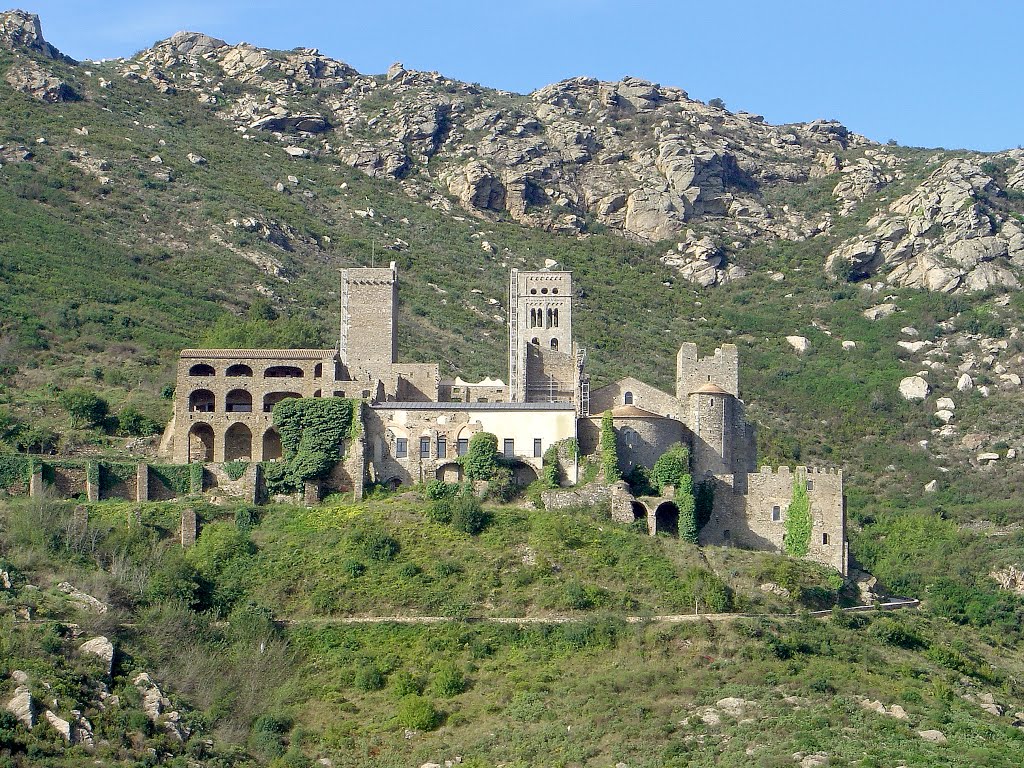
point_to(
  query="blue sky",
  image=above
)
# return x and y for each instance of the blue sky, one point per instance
(932, 74)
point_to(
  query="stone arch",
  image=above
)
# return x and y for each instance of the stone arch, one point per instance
(627, 399)
(239, 369)
(202, 369)
(272, 449)
(523, 474)
(238, 401)
(639, 510)
(273, 398)
(201, 401)
(238, 443)
(450, 472)
(283, 372)
(666, 518)
(200, 443)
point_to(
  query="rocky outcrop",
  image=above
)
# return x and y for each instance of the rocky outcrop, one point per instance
(28, 77)
(21, 706)
(1010, 578)
(943, 236)
(21, 31)
(158, 707)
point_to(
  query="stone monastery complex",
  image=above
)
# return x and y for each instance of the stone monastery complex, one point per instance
(416, 425)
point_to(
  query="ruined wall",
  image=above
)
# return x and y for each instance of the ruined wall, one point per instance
(486, 391)
(744, 504)
(721, 368)
(643, 396)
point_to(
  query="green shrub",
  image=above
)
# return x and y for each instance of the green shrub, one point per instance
(438, 489)
(235, 469)
(708, 593)
(404, 683)
(14, 470)
(671, 467)
(377, 544)
(175, 477)
(501, 487)
(84, 406)
(448, 681)
(418, 713)
(247, 517)
(468, 515)
(369, 677)
(131, 421)
(481, 459)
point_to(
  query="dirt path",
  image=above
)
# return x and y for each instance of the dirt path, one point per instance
(523, 620)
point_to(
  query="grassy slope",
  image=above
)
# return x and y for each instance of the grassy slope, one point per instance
(588, 693)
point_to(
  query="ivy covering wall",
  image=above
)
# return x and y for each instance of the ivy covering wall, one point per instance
(313, 431)
(609, 450)
(798, 521)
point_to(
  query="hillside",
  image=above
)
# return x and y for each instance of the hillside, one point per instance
(203, 192)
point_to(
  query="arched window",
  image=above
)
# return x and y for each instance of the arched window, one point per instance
(554, 345)
(824, 538)
(318, 371)
(238, 369)
(201, 401)
(273, 398)
(238, 401)
(549, 319)
(272, 450)
(554, 318)
(535, 341)
(201, 369)
(283, 372)
(627, 399)
(200, 443)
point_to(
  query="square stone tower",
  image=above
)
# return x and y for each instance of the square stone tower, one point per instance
(369, 300)
(543, 364)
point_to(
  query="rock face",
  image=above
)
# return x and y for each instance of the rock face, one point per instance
(1010, 578)
(28, 77)
(22, 31)
(81, 600)
(943, 236)
(21, 706)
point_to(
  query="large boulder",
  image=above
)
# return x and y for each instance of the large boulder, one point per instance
(914, 388)
(21, 706)
(102, 648)
(30, 78)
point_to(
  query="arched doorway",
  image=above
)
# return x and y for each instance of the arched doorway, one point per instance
(449, 473)
(237, 443)
(272, 450)
(200, 443)
(639, 510)
(666, 518)
(523, 474)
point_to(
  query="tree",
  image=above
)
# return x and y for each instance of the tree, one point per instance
(717, 103)
(481, 459)
(85, 407)
(609, 449)
(671, 467)
(798, 521)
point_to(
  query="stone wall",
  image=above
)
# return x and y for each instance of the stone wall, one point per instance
(643, 396)
(368, 303)
(746, 503)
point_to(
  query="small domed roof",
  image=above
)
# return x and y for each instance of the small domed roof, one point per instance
(710, 389)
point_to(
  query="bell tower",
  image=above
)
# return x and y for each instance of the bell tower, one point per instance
(543, 365)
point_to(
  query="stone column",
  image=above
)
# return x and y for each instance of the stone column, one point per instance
(142, 482)
(35, 483)
(188, 528)
(92, 490)
(311, 493)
